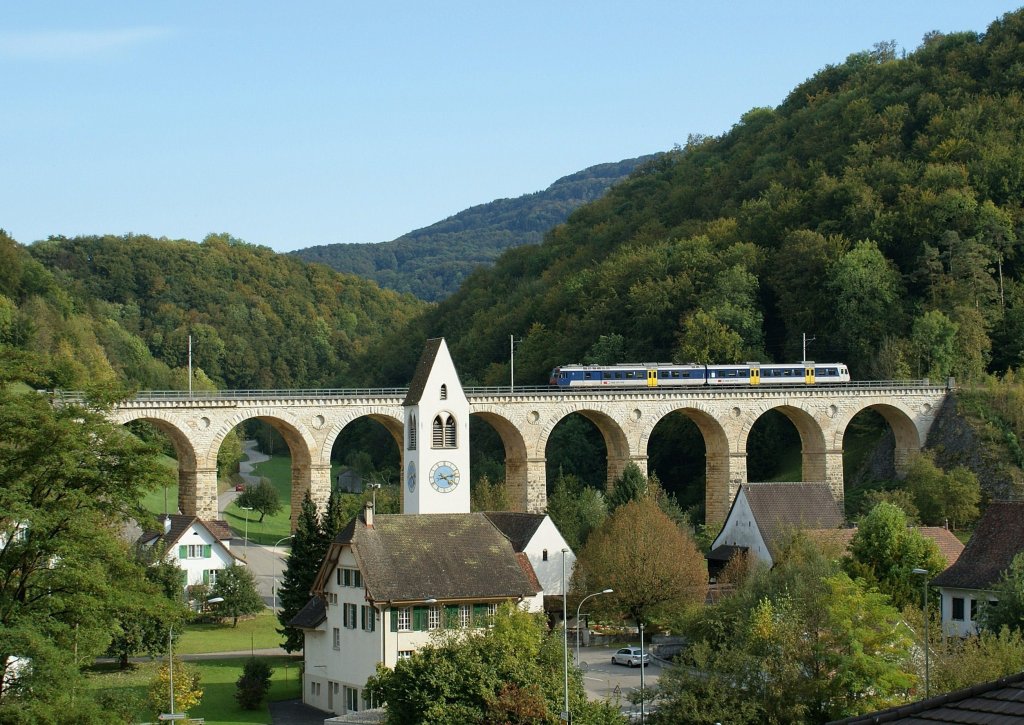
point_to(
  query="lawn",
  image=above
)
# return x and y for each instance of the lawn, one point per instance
(257, 632)
(217, 676)
(217, 679)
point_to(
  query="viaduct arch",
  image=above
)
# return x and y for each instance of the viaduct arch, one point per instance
(310, 422)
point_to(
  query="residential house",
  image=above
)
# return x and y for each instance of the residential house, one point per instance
(199, 548)
(963, 587)
(763, 515)
(389, 581)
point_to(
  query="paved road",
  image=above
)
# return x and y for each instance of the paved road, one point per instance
(265, 562)
(605, 681)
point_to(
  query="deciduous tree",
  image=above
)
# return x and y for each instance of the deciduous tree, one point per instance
(884, 551)
(71, 479)
(237, 585)
(651, 564)
(262, 497)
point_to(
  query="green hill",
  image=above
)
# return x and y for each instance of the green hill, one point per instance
(121, 309)
(878, 209)
(432, 262)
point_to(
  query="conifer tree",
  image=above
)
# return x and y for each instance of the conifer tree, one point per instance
(308, 548)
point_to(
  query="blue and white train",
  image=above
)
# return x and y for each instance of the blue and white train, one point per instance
(655, 375)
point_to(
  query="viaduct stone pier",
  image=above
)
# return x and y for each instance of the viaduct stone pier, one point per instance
(310, 422)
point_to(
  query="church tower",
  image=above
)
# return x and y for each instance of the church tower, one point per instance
(436, 451)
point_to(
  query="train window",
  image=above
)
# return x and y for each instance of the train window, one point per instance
(675, 373)
(587, 376)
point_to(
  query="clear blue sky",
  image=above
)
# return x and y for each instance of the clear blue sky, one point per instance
(291, 124)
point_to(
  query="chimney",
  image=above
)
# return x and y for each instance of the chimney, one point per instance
(167, 524)
(368, 514)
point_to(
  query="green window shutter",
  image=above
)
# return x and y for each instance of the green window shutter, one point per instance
(182, 552)
(207, 551)
(451, 616)
(479, 615)
(206, 578)
(184, 578)
(394, 620)
(419, 619)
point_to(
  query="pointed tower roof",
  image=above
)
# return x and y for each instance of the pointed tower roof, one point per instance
(423, 368)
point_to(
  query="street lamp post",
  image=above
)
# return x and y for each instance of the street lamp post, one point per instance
(273, 583)
(924, 610)
(565, 643)
(595, 594)
(642, 668)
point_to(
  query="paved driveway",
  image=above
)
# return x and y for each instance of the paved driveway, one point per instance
(293, 712)
(605, 681)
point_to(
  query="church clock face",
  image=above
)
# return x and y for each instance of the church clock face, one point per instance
(410, 477)
(444, 476)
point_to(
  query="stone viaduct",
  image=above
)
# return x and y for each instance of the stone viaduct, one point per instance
(310, 422)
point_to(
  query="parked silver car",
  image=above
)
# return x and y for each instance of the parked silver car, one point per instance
(630, 656)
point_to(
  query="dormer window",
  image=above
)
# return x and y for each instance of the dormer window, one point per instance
(444, 392)
(444, 431)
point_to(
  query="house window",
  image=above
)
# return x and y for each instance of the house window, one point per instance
(349, 616)
(336, 638)
(545, 555)
(974, 610)
(332, 598)
(405, 619)
(210, 576)
(404, 654)
(351, 699)
(195, 551)
(369, 620)
(433, 617)
(350, 578)
(958, 609)
(465, 615)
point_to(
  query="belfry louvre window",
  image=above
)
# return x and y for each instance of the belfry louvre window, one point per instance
(444, 392)
(444, 431)
(412, 433)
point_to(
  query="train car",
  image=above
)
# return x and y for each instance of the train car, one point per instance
(628, 375)
(652, 375)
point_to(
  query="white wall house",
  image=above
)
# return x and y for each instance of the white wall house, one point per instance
(388, 582)
(199, 548)
(764, 514)
(967, 586)
(536, 536)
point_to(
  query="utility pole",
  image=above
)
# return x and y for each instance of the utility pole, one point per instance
(804, 359)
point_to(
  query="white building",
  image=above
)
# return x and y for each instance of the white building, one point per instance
(388, 582)
(199, 548)
(968, 584)
(764, 514)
